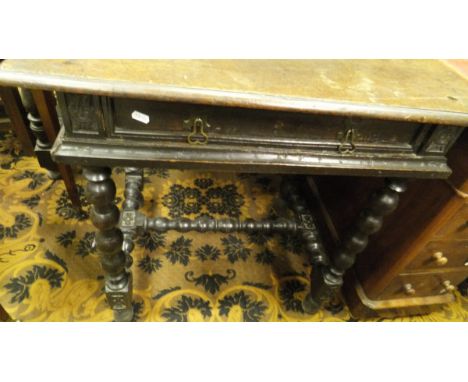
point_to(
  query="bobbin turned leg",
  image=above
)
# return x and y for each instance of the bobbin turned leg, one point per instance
(326, 280)
(105, 217)
(43, 145)
(133, 201)
(291, 192)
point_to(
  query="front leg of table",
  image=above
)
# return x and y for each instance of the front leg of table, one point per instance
(105, 217)
(327, 279)
(133, 201)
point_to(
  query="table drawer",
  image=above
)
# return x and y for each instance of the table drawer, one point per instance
(442, 254)
(423, 284)
(178, 135)
(208, 125)
(224, 125)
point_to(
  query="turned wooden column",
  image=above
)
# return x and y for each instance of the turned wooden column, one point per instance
(105, 217)
(291, 192)
(43, 145)
(35, 121)
(327, 279)
(133, 201)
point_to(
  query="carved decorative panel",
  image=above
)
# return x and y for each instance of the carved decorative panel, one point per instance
(82, 113)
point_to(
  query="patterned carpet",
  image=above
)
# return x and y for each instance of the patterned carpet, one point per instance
(50, 272)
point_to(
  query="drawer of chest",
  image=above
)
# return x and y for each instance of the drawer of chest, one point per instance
(423, 284)
(204, 125)
(442, 254)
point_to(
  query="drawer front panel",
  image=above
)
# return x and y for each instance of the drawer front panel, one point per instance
(149, 133)
(442, 254)
(423, 284)
(223, 125)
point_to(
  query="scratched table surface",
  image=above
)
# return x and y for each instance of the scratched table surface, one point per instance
(430, 91)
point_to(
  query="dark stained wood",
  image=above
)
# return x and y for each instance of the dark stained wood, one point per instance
(426, 91)
(344, 197)
(171, 121)
(395, 118)
(134, 183)
(423, 243)
(418, 206)
(43, 145)
(45, 104)
(104, 214)
(98, 129)
(422, 246)
(17, 115)
(242, 159)
(427, 211)
(329, 278)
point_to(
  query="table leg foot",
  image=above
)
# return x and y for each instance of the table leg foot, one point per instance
(54, 175)
(125, 315)
(335, 305)
(309, 305)
(324, 286)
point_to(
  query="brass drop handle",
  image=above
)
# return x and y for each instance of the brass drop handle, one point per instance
(347, 145)
(409, 290)
(197, 136)
(439, 258)
(448, 287)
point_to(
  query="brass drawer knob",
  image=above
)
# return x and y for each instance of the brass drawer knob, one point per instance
(448, 287)
(409, 290)
(439, 258)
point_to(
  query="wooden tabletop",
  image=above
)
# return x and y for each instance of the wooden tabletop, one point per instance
(414, 90)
